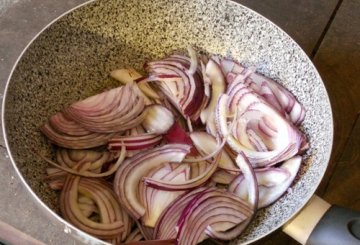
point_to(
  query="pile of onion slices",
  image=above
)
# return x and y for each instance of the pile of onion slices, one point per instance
(188, 152)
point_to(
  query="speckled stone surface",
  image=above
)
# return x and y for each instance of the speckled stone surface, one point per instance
(72, 60)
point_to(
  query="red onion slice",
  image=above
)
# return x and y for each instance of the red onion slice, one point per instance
(128, 176)
(222, 176)
(154, 242)
(156, 200)
(137, 142)
(251, 108)
(126, 76)
(273, 182)
(134, 236)
(251, 197)
(111, 224)
(158, 119)
(275, 94)
(62, 124)
(207, 144)
(187, 184)
(88, 166)
(176, 134)
(190, 101)
(217, 82)
(208, 208)
(165, 227)
(87, 141)
(109, 112)
(198, 168)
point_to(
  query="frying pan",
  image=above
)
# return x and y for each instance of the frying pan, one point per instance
(73, 56)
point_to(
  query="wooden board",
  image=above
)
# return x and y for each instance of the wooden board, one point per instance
(345, 180)
(338, 61)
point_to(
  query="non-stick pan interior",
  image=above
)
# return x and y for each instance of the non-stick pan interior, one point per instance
(73, 57)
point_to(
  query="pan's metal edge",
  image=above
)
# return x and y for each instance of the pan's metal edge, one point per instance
(69, 228)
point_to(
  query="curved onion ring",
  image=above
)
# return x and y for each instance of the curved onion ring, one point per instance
(129, 175)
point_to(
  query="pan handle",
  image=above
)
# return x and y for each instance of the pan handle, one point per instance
(321, 223)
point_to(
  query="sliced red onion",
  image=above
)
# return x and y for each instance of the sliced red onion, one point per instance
(126, 76)
(210, 208)
(218, 85)
(207, 144)
(128, 176)
(273, 182)
(194, 211)
(69, 157)
(186, 184)
(193, 60)
(109, 112)
(275, 94)
(134, 236)
(158, 119)
(251, 198)
(230, 66)
(180, 82)
(87, 166)
(60, 123)
(63, 139)
(198, 168)
(111, 224)
(137, 142)
(250, 178)
(154, 242)
(268, 195)
(156, 200)
(250, 109)
(87, 206)
(222, 176)
(165, 227)
(176, 134)
(147, 232)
